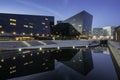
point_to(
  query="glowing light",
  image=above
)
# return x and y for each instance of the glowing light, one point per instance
(14, 58)
(58, 47)
(2, 60)
(37, 53)
(31, 54)
(14, 33)
(19, 49)
(73, 47)
(23, 33)
(23, 56)
(2, 32)
(0, 66)
(86, 46)
(40, 49)
(31, 34)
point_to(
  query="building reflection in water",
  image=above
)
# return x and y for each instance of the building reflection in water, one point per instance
(14, 64)
(79, 60)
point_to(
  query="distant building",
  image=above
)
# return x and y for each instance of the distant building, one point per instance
(103, 33)
(25, 25)
(97, 32)
(108, 31)
(82, 22)
(116, 35)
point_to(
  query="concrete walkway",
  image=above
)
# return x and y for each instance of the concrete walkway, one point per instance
(13, 45)
(115, 54)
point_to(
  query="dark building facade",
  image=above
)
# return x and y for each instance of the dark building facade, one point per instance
(64, 30)
(82, 22)
(20, 24)
(116, 34)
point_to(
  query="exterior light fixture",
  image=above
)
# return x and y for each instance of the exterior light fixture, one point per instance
(40, 49)
(19, 49)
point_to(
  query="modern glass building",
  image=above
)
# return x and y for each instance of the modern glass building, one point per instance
(25, 25)
(82, 22)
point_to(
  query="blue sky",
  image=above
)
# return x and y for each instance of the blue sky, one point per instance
(105, 12)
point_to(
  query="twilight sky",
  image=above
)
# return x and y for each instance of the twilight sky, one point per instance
(105, 12)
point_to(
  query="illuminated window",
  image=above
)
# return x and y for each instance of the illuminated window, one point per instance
(46, 19)
(37, 34)
(46, 26)
(13, 20)
(43, 35)
(80, 25)
(14, 33)
(31, 26)
(43, 22)
(0, 26)
(26, 26)
(13, 71)
(13, 24)
(12, 67)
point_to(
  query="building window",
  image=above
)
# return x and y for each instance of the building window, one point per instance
(13, 24)
(12, 20)
(26, 26)
(46, 26)
(0, 26)
(30, 26)
(43, 23)
(46, 19)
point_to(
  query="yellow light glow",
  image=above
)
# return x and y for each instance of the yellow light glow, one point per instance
(43, 22)
(0, 26)
(31, 54)
(23, 56)
(58, 47)
(19, 49)
(46, 19)
(46, 26)
(0, 66)
(11, 19)
(40, 49)
(37, 34)
(2, 60)
(13, 24)
(23, 33)
(43, 35)
(14, 33)
(73, 47)
(2, 32)
(14, 58)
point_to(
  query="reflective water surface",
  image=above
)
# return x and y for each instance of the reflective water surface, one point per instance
(58, 64)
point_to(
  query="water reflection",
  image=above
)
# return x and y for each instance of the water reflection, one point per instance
(56, 64)
(24, 64)
(79, 60)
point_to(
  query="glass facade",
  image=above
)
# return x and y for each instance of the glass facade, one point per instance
(82, 22)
